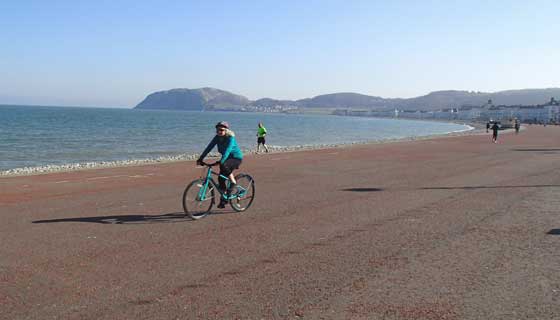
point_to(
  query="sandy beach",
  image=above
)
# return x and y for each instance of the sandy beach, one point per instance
(451, 227)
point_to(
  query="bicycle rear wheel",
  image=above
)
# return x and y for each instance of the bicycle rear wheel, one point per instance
(196, 204)
(245, 192)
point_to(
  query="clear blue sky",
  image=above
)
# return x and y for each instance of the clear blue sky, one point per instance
(114, 53)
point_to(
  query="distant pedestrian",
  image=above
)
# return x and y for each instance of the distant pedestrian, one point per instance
(495, 128)
(261, 134)
(487, 126)
(517, 126)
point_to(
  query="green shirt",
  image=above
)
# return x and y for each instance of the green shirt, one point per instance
(261, 132)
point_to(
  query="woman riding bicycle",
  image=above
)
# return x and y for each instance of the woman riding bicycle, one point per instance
(231, 155)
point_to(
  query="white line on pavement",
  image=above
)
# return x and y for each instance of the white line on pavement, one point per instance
(97, 178)
(107, 177)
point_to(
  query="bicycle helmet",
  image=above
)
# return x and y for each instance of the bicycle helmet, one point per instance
(222, 124)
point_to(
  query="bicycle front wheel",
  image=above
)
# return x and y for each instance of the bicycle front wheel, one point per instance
(245, 193)
(198, 202)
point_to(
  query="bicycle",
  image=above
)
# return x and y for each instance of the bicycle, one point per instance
(199, 195)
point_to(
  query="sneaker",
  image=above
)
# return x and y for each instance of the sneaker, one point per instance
(232, 189)
(222, 205)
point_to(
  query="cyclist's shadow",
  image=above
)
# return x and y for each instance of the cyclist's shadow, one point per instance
(132, 218)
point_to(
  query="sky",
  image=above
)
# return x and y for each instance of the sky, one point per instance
(114, 53)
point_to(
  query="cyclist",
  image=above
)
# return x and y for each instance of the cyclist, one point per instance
(231, 156)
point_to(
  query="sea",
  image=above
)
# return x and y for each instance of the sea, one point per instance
(33, 136)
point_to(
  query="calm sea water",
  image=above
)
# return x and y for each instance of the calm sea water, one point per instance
(37, 136)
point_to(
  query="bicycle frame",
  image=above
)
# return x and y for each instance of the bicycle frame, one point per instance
(202, 193)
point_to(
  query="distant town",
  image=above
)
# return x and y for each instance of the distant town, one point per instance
(548, 112)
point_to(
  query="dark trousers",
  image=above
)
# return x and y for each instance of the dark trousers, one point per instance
(226, 169)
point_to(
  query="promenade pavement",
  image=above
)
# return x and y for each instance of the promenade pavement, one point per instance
(444, 228)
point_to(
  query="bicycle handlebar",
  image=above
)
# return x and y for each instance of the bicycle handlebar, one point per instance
(210, 164)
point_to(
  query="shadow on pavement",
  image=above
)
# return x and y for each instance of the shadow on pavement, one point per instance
(491, 187)
(554, 232)
(363, 189)
(131, 218)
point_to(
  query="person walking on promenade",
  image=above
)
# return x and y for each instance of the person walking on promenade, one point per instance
(495, 128)
(487, 126)
(261, 133)
(517, 126)
(231, 156)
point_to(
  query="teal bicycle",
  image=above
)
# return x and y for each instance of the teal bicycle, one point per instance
(200, 195)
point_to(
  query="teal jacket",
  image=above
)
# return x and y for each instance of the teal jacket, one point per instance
(227, 146)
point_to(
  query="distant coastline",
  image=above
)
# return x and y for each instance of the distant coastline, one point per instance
(212, 99)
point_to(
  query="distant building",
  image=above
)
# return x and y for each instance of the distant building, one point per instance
(549, 112)
(468, 112)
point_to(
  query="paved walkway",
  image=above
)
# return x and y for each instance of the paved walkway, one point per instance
(448, 228)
